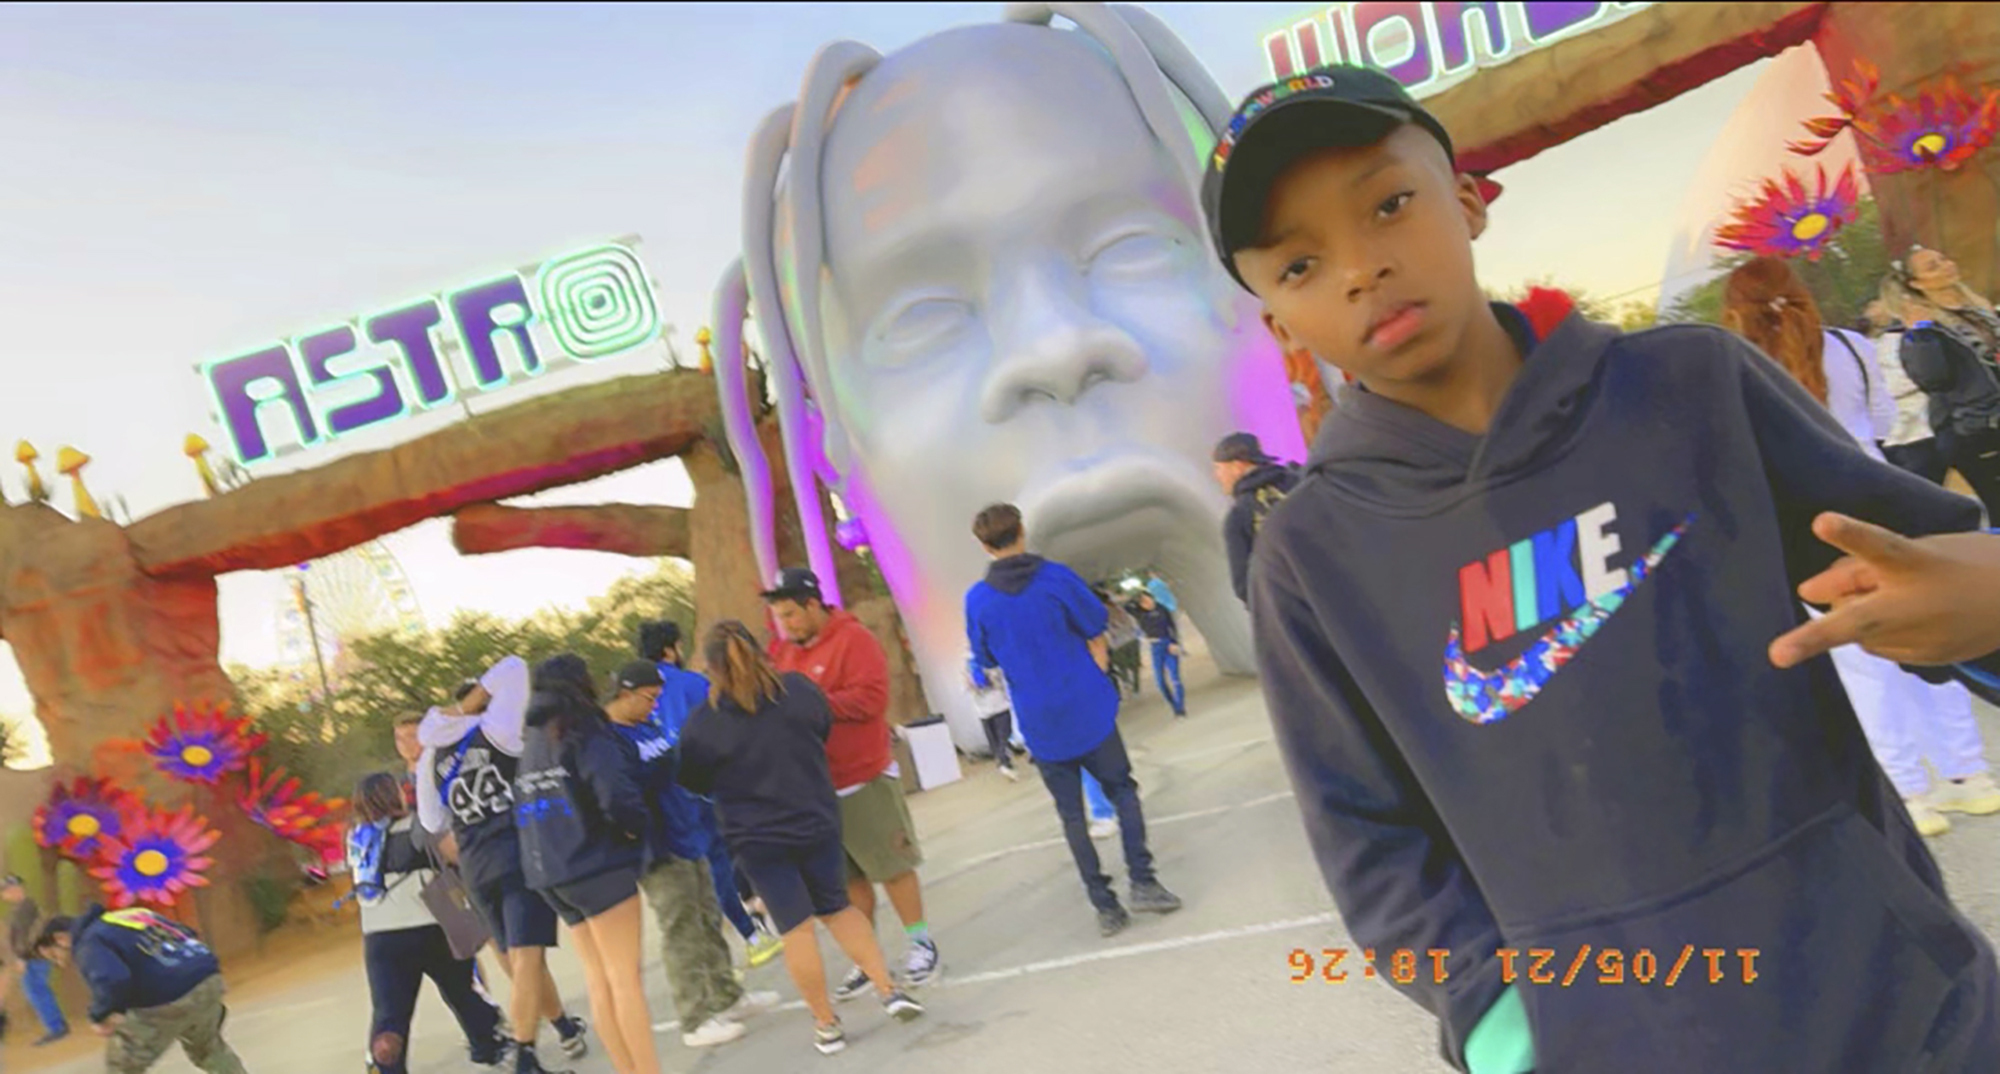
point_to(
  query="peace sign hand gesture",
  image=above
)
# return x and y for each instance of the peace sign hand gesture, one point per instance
(1928, 600)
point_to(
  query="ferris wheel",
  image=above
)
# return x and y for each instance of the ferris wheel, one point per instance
(340, 598)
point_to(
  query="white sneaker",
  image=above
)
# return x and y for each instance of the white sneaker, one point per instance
(751, 1005)
(1103, 829)
(717, 1030)
(1008, 771)
(1975, 794)
(1929, 821)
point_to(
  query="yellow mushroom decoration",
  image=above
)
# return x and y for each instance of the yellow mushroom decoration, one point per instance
(194, 447)
(25, 454)
(701, 339)
(70, 463)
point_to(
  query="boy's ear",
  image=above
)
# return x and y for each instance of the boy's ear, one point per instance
(1278, 330)
(1472, 203)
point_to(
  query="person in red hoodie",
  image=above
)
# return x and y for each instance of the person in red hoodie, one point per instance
(833, 649)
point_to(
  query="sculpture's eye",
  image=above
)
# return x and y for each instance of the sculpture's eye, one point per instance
(1135, 252)
(922, 325)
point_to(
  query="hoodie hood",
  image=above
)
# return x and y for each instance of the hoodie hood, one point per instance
(1263, 477)
(1394, 456)
(84, 920)
(1012, 575)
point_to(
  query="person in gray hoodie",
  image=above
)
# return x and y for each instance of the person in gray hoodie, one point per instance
(1513, 626)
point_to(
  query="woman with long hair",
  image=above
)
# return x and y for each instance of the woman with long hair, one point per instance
(401, 942)
(1963, 377)
(1906, 719)
(582, 817)
(759, 749)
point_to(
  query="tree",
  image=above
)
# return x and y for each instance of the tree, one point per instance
(1843, 281)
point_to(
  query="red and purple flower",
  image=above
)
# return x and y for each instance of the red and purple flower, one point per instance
(1942, 128)
(1788, 219)
(80, 815)
(273, 801)
(200, 745)
(159, 856)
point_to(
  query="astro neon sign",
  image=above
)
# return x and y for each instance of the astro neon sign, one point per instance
(1429, 46)
(590, 304)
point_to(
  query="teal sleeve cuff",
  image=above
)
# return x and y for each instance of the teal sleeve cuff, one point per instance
(1501, 1043)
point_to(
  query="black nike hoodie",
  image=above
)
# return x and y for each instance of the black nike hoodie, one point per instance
(1521, 687)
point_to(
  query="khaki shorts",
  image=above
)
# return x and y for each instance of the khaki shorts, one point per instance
(876, 831)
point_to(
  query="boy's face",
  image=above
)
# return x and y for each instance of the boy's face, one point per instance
(1367, 257)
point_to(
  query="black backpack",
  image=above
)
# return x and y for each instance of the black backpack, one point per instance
(1964, 388)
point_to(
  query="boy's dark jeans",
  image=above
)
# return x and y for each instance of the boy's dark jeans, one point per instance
(1113, 769)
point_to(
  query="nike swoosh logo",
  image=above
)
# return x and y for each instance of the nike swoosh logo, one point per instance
(1488, 696)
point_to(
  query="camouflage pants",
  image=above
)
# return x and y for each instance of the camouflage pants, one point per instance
(195, 1020)
(694, 952)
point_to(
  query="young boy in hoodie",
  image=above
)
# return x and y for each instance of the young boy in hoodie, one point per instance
(1038, 622)
(152, 983)
(1512, 626)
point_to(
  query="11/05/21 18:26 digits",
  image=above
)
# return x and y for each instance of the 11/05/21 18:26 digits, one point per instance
(1535, 965)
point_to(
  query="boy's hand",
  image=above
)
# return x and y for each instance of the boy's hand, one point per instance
(1930, 600)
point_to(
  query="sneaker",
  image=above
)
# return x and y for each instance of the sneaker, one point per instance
(855, 983)
(1929, 821)
(764, 948)
(717, 1030)
(1149, 897)
(1112, 921)
(921, 966)
(901, 1007)
(51, 1038)
(576, 1042)
(527, 1062)
(829, 1039)
(1976, 795)
(751, 1005)
(1104, 829)
(1008, 771)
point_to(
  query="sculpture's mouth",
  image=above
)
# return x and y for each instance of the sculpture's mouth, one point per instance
(1133, 495)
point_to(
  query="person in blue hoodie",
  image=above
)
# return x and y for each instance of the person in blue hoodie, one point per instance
(1039, 622)
(582, 819)
(153, 983)
(1513, 624)
(681, 693)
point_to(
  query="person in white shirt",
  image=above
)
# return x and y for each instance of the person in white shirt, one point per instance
(1906, 719)
(996, 713)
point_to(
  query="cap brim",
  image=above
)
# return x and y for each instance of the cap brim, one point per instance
(788, 594)
(1278, 139)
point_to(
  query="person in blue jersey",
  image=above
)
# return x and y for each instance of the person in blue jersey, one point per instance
(678, 849)
(1038, 621)
(465, 798)
(681, 693)
(1513, 625)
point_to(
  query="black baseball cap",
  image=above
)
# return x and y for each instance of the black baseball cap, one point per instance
(795, 583)
(637, 675)
(1324, 108)
(1241, 447)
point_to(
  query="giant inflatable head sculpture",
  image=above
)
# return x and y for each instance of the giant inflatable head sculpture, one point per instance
(980, 272)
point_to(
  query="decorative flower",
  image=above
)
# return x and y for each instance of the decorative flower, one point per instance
(273, 801)
(80, 815)
(1788, 220)
(1942, 128)
(159, 856)
(199, 746)
(1850, 97)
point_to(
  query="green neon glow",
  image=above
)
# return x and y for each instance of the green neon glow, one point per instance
(597, 302)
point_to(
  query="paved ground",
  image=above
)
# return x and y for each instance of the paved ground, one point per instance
(1029, 985)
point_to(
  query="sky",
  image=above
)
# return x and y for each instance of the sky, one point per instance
(186, 182)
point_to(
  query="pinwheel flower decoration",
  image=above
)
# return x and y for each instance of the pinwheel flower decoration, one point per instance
(159, 856)
(1942, 128)
(80, 815)
(200, 745)
(1788, 219)
(273, 801)
(1849, 98)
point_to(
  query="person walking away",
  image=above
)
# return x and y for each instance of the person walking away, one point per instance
(152, 982)
(1949, 349)
(759, 749)
(996, 714)
(675, 876)
(1910, 442)
(681, 692)
(1123, 639)
(410, 748)
(465, 797)
(582, 819)
(23, 924)
(1255, 483)
(1157, 621)
(401, 942)
(1906, 719)
(1440, 717)
(842, 658)
(1037, 621)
